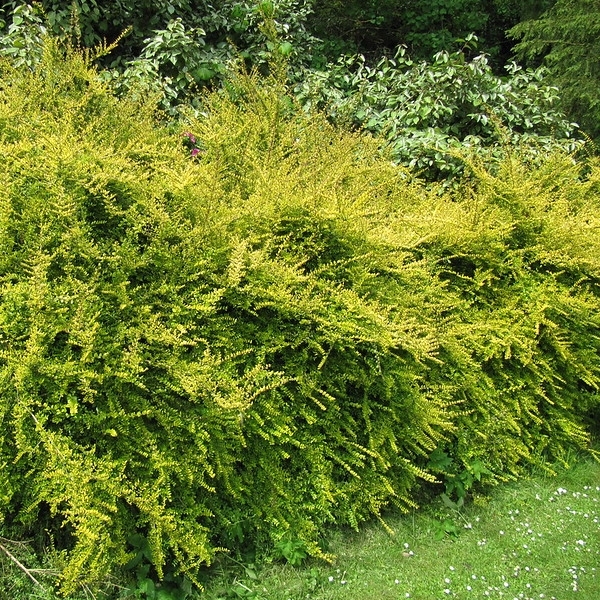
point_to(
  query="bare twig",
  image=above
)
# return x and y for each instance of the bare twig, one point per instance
(20, 565)
(22, 543)
(51, 572)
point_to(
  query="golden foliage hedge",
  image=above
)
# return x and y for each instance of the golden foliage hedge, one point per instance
(273, 335)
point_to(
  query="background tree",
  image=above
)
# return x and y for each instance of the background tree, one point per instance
(567, 39)
(424, 26)
(320, 30)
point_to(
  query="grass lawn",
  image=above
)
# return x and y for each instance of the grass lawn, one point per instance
(533, 539)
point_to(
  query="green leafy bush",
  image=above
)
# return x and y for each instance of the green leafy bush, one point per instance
(277, 332)
(172, 48)
(523, 258)
(184, 354)
(427, 112)
(22, 40)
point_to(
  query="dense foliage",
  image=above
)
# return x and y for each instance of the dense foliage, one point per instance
(427, 111)
(178, 48)
(425, 26)
(567, 38)
(253, 326)
(183, 43)
(318, 29)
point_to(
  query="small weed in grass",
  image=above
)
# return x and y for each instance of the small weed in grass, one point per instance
(536, 539)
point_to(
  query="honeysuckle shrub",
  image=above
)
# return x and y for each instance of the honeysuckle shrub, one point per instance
(280, 331)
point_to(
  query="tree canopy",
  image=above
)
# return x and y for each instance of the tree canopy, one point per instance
(566, 39)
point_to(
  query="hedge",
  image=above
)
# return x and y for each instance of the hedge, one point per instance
(275, 332)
